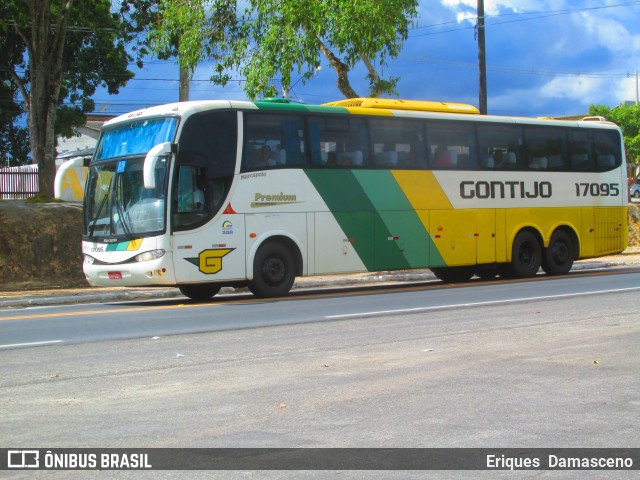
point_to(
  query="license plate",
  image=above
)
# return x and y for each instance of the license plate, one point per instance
(115, 275)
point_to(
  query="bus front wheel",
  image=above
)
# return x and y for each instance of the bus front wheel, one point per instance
(558, 257)
(200, 291)
(526, 256)
(273, 271)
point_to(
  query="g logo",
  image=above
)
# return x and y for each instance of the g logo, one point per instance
(210, 261)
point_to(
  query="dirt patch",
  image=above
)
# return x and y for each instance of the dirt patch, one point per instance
(41, 244)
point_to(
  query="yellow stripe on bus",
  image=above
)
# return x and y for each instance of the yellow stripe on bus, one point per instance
(422, 190)
(369, 111)
(134, 244)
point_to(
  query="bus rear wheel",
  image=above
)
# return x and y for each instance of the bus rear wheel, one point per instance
(453, 274)
(526, 256)
(200, 291)
(558, 256)
(273, 271)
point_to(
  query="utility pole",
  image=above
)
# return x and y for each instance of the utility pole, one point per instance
(183, 89)
(482, 60)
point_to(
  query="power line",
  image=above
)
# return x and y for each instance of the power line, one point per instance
(519, 70)
(541, 14)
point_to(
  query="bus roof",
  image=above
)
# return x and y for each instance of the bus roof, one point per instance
(398, 104)
(357, 106)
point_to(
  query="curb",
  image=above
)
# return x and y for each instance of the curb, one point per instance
(100, 295)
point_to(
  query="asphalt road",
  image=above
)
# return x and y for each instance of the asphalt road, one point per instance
(545, 363)
(51, 325)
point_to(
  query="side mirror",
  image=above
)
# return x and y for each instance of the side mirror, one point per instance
(150, 161)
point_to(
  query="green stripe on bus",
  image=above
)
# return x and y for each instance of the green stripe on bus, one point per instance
(351, 208)
(300, 107)
(117, 247)
(403, 231)
(370, 205)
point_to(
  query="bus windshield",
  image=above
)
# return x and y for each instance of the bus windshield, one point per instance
(118, 204)
(135, 138)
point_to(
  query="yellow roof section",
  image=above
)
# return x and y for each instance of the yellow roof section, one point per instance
(397, 104)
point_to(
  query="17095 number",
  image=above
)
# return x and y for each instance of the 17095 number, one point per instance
(597, 190)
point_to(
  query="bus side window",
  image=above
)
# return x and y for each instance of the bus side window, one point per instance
(580, 151)
(542, 144)
(452, 145)
(338, 142)
(397, 143)
(356, 152)
(273, 140)
(607, 147)
(499, 146)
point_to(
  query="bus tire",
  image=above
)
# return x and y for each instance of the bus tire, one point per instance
(453, 274)
(526, 255)
(200, 291)
(273, 271)
(558, 256)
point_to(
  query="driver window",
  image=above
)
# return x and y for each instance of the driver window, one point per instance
(205, 165)
(191, 195)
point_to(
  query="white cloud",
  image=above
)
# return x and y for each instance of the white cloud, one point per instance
(625, 90)
(610, 34)
(562, 95)
(570, 95)
(579, 89)
(493, 7)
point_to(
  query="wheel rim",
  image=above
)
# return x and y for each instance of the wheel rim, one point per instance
(560, 252)
(526, 255)
(273, 270)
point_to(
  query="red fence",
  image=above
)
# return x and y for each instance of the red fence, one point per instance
(18, 182)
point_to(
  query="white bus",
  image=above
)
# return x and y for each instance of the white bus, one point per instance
(204, 194)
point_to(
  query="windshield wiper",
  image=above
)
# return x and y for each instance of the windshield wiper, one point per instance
(102, 204)
(121, 219)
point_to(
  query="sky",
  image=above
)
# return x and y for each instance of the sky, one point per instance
(544, 58)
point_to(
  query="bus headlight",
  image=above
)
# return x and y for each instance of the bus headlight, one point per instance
(150, 255)
(88, 259)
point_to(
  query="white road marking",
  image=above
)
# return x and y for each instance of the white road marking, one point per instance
(459, 305)
(31, 344)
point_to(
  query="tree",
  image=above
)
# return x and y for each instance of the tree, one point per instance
(291, 34)
(280, 37)
(188, 31)
(67, 49)
(14, 139)
(627, 117)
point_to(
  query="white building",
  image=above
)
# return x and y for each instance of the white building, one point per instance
(87, 139)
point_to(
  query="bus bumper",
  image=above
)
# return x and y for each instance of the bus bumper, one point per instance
(136, 274)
